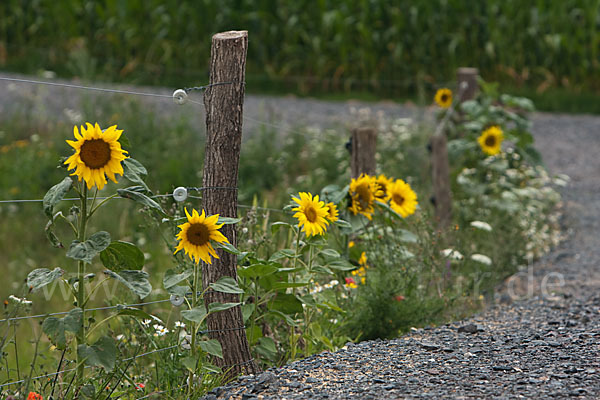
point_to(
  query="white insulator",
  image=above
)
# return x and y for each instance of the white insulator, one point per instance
(176, 300)
(180, 96)
(180, 194)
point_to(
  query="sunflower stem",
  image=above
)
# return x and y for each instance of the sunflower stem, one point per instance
(194, 328)
(101, 204)
(80, 337)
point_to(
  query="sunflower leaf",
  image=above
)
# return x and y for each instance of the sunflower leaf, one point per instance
(257, 270)
(197, 314)
(212, 347)
(56, 194)
(136, 312)
(136, 281)
(226, 285)
(86, 251)
(134, 171)
(172, 278)
(54, 240)
(120, 255)
(141, 198)
(216, 307)
(229, 248)
(40, 277)
(228, 220)
(55, 328)
(103, 353)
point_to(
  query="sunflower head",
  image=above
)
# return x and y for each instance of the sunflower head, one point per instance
(490, 140)
(311, 214)
(402, 198)
(382, 182)
(443, 97)
(196, 234)
(98, 154)
(363, 191)
(332, 212)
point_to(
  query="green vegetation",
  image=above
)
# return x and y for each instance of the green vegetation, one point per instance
(395, 50)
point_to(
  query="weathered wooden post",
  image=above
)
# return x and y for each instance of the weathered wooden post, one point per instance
(364, 144)
(467, 79)
(467, 89)
(223, 105)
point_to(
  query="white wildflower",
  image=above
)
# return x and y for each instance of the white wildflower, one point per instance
(146, 323)
(452, 254)
(179, 324)
(160, 330)
(480, 258)
(19, 300)
(484, 226)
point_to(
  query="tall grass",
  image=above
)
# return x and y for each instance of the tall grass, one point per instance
(309, 45)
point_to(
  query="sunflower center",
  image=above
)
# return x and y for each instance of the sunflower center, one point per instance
(444, 98)
(198, 234)
(490, 141)
(397, 198)
(95, 153)
(364, 193)
(311, 214)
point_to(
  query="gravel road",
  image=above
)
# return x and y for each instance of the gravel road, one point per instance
(539, 346)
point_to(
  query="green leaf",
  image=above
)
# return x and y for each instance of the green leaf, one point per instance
(247, 310)
(285, 285)
(216, 307)
(122, 255)
(226, 285)
(267, 348)
(275, 226)
(288, 320)
(141, 198)
(287, 304)
(172, 278)
(56, 194)
(284, 253)
(228, 247)
(343, 224)
(322, 269)
(136, 281)
(87, 250)
(341, 265)
(189, 363)
(257, 270)
(40, 277)
(103, 353)
(55, 328)
(134, 171)
(228, 220)
(197, 314)
(330, 253)
(54, 240)
(212, 347)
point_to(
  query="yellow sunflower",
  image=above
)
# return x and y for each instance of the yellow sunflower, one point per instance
(402, 198)
(363, 191)
(491, 140)
(97, 155)
(382, 183)
(196, 234)
(332, 212)
(363, 259)
(311, 214)
(443, 97)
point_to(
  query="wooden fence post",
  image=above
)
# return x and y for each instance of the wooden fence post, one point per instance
(467, 89)
(468, 75)
(223, 104)
(364, 143)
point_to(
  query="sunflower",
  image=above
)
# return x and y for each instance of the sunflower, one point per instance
(196, 234)
(402, 198)
(362, 192)
(332, 212)
(443, 97)
(98, 154)
(491, 140)
(311, 214)
(382, 182)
